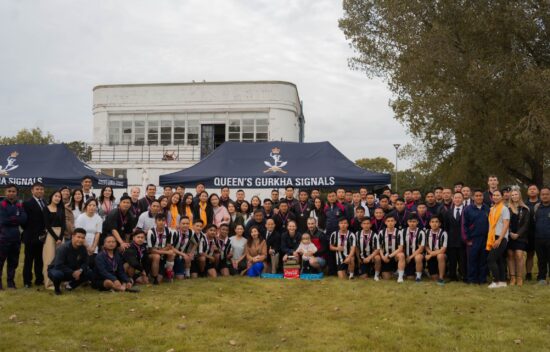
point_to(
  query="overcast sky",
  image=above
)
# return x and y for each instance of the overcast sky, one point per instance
(55, 52)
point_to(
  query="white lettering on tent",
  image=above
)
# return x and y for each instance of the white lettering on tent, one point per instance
(19, 181)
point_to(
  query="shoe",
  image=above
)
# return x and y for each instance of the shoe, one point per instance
(528, 277)
(542, 282)
(376, 278)
(512, 281)
(11, 284)
(400, 280)
(170, 275)
(68, 287)
(155, 281)
(57, 291)
(493, 285)
(418, 280)
(351, 277)
(441, 282)
(502, 284)
(133, 289)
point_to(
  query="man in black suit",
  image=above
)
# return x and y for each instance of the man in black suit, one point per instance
(33, 229)
(456, 245)
(145, 202)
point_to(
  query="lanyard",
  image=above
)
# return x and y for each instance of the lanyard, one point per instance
(112, 261)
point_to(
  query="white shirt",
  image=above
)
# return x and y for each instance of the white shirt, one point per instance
(92, 225)
(146, 222)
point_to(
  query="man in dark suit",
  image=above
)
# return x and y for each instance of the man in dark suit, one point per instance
(456, 245)
(145, 202)
(33, 229)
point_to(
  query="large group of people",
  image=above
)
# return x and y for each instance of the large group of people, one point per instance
(446, 234)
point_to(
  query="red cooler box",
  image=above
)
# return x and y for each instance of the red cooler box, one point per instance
(291, 272)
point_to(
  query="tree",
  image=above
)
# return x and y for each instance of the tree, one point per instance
(382, 165)
(471, 81)
(37, 136)
(25, 136)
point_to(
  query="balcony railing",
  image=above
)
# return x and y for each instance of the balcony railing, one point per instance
(149, 153)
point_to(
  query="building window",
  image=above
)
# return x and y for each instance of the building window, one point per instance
(193, 132)
(261, 130)
(114, 132)
(248, 131)
(118, 173)
(234, 130)
(166, 132)
(153, 133)
(126, 132)
(179, 132)
(139, 131)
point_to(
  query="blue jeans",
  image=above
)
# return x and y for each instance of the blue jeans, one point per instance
(255, 270)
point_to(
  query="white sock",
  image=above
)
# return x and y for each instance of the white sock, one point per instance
(419, 275)
(187, 272)
(376, 274)
(400, 273)
(169, 265)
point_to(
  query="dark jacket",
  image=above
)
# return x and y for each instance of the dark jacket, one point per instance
(453, 227)
(520, 223)
(209, 213)
(35, 222)
(144, 204)
(274, 241)
(115, 221)
(12, 215)
(542, 221)
(259, 225)
(282, 220)
(476, 221)
(290, 244)
(239, 220)
(105, 269)
(301, 212)
(69, 259)
(333, 212)
(321, 241)
(137, 256)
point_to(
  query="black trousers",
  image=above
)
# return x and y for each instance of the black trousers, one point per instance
(542, 247)
(457, 260)
(9, 252)
(33, 256)
(496, 259)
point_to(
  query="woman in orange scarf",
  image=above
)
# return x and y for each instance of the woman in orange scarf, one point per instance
(499, 222)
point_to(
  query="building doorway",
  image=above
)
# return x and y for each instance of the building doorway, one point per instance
(212, 136)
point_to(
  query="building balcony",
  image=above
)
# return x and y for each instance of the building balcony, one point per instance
(144, 153)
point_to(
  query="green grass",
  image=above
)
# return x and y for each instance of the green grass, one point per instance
(264, 315)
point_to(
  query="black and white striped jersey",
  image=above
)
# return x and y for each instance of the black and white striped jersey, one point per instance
(413, 239)
(389, 242)
(436, 240)
(157, 240)
(184, 241)
(347, 240)
(368, 243)
(224, 246)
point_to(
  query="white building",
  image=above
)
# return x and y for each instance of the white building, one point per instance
(142, 131)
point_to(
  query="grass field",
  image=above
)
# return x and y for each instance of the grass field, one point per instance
(243, 314)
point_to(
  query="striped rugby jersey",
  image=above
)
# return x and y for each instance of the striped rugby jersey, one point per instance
(368, 243)
(389, 243)
(224, 246)
(184, 242)
(413, 239)
(159, 240)
(347, 240)
(437, 240)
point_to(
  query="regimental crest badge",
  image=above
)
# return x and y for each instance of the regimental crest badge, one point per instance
(278, 164)
(10, 166)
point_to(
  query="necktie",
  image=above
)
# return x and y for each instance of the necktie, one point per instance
(41, 203)
(457, 216)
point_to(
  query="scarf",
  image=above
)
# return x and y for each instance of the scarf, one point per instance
(202, 213)
(174, 218)
(494, 215)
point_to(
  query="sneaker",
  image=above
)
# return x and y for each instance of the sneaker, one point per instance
(351, 277)
(376, 278)
(542, 282)
(502, 284)
(493, 285)
(155, 281)
(528, 277)
(400, 280)
(440, 282)
(68, 287)
(418, 280)
(133, 289)
(11, 284)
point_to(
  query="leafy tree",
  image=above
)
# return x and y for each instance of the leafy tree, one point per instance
(37, 136)
(471, 81)
(376, 165)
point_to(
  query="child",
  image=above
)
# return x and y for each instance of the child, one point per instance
(306, 250)
(184, 247)
(368, 251)
(390, 244)
(159, 245)
(415, 240)
(343, 242)
(136, 260)
(435, 250)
